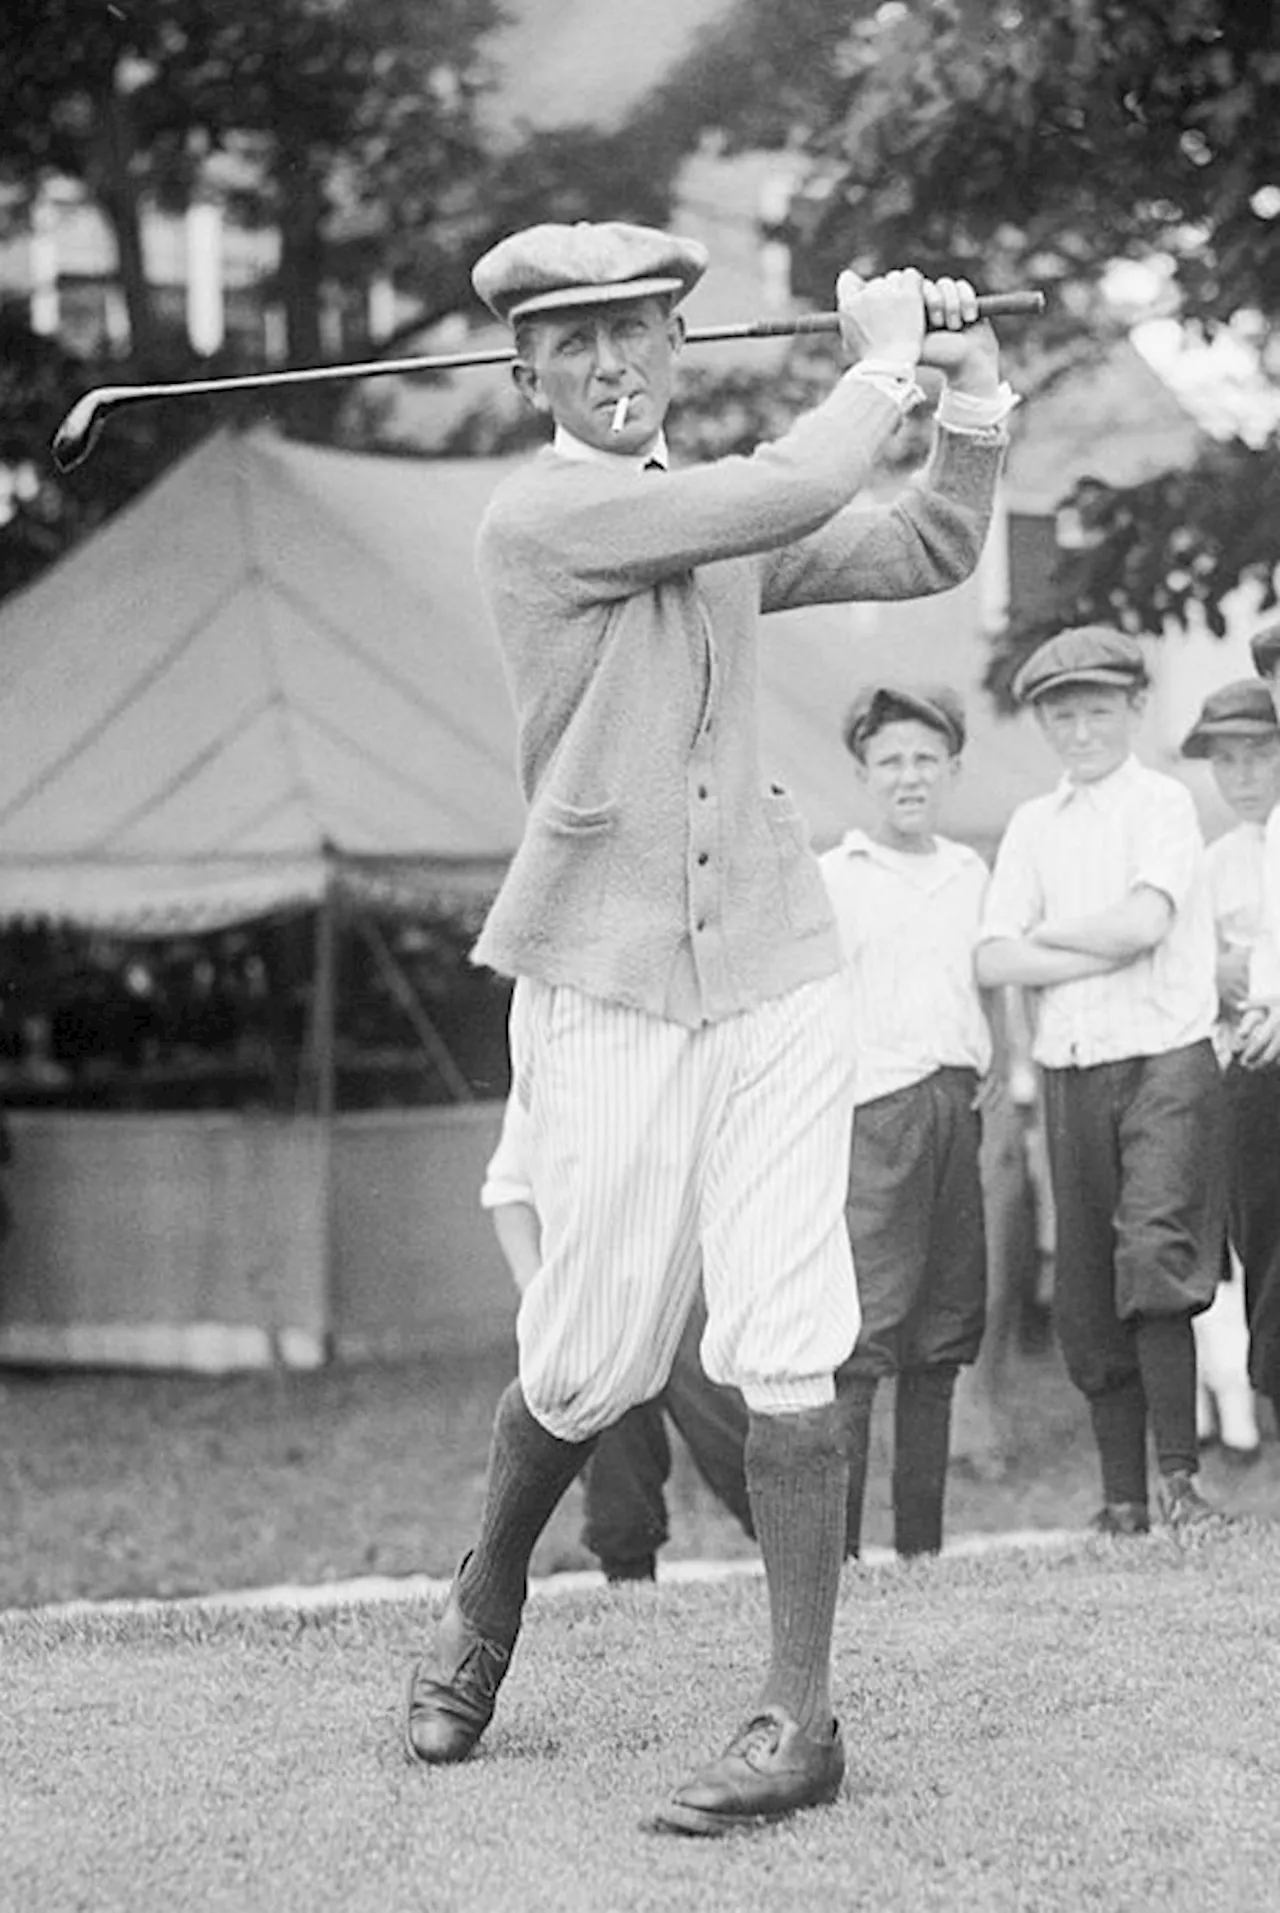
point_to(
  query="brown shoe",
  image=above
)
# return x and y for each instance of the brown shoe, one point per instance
(770, 1769)
(452, 1690)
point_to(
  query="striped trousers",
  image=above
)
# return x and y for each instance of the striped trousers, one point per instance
(658, 1152)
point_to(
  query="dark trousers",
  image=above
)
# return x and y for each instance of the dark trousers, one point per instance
(1137, 1151)
(916, 1225)
(1253, 1104)
(625, 1482)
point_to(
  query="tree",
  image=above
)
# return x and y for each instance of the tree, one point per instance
(1042, 145)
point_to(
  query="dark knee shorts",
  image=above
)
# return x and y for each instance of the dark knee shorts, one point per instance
(1137, 1152)
(916, 1225)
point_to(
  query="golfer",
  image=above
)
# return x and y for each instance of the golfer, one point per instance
(680, 1022)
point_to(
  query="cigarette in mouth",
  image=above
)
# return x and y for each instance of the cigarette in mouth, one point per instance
(619, 418)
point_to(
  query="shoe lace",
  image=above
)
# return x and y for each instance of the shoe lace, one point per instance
(482, 1668)
(759, 1736)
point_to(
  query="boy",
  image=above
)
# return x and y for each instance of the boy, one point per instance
(1237, 733)
(907, 903)
(676, 964)
(1098, 903)
(625, 1479)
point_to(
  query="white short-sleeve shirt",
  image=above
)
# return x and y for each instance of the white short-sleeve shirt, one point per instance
(908, 924)
(1082, 849)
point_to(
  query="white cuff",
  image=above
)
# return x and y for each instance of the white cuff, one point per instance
(961, 412)
(897, 382)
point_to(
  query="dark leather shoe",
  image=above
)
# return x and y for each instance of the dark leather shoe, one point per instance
(452, 1690)
(770, 1769)
(1122, 1518)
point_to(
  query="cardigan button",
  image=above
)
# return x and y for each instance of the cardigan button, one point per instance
(704, 856)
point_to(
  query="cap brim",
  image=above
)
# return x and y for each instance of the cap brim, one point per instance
(936, 716)
(1199, 739)
(565, 298)
(1098, 674)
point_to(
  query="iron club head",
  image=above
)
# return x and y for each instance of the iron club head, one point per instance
(80, 430)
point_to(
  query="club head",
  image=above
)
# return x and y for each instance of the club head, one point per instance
(80, 430)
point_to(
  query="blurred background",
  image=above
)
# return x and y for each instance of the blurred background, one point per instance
(255, 754)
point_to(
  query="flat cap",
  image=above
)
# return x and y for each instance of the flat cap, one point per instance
(548, 268)
(1242, 708)
(1265, 646)
(1088, 654)
(883, 702)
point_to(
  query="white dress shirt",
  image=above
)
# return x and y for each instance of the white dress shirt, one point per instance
(1082, 849)
(908, 924)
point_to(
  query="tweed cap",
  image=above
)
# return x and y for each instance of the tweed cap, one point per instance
(1242, 708)
(1265, 646)
(878, 703)
(1088, 654)
(549, 268)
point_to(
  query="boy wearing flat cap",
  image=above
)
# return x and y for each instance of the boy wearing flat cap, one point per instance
(1238, 733)
(678, 1016)
(1098, 902)
(907, 903)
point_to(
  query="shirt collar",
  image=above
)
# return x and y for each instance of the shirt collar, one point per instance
(568, 446)
(1103, 791)
(945, 856)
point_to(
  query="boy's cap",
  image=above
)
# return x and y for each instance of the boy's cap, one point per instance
(934, 704)
(1240, 709)
(1265, 646)
(549, 268)
(1089, 654)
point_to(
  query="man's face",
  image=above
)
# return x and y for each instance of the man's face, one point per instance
(1247, 772)
(577, 365)
(907, 768)
(1090, 728)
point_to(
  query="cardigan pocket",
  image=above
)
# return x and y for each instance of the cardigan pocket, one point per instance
(804, 894)
(578, 820)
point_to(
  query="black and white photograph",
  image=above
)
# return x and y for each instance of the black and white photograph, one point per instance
(639, 956)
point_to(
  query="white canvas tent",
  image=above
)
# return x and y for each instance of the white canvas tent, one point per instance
(267, 684)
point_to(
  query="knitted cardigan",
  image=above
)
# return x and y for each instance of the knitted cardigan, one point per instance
(659, 867)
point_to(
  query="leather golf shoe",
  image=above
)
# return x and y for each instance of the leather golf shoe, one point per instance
(452, 1690)
(769, 1770)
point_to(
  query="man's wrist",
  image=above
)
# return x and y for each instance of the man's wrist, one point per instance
(968, 411)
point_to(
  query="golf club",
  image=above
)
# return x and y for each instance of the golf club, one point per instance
(79, 431)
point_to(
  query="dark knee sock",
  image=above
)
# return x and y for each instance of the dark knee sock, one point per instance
(797, 1480)
(921, 1446)
(1120, 1430)
(529, 1471)
(1167, 1357)
(856, 1396)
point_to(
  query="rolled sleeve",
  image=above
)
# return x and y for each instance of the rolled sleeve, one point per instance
(1169, 853)
(1014, 901)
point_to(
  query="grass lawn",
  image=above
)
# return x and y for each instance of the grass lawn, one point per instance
(161, 1484)
(1095, 1728)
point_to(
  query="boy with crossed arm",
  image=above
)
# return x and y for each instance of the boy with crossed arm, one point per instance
(1098, 903)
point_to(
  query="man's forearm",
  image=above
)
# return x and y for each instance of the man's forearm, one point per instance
(1034, 965)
